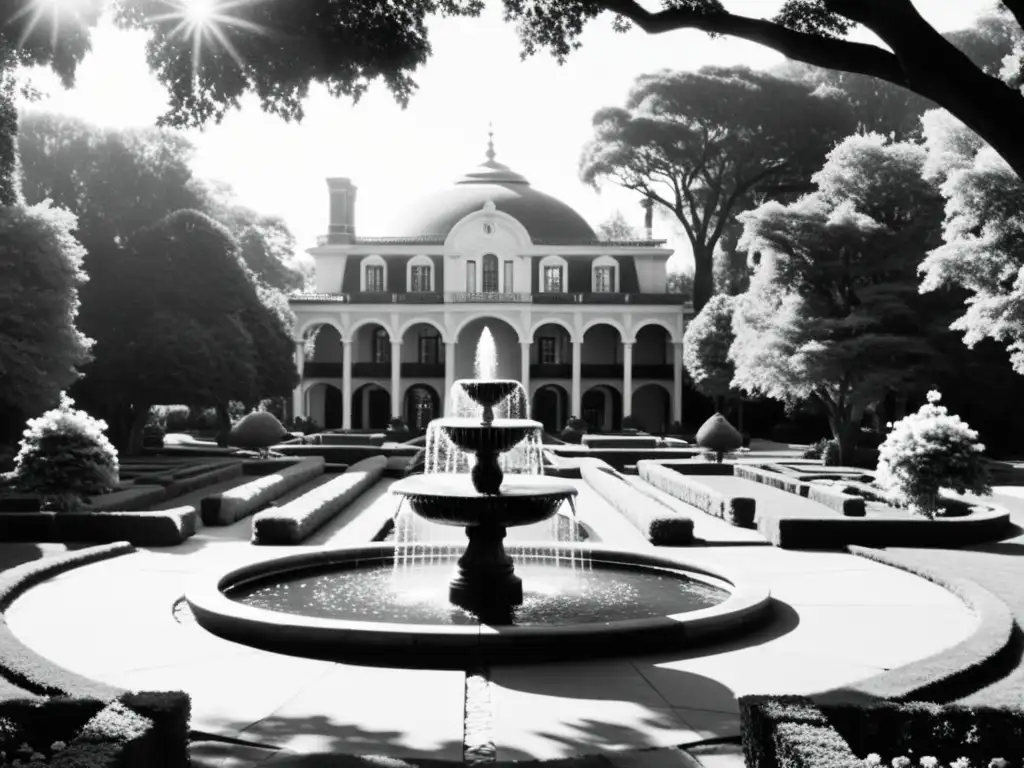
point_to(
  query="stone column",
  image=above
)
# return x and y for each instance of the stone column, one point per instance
(396, 379)
(449, 375)
(346, 384)
(524, 375)
(577, 392)
(677, 382)
(627, 379)
(298, 406)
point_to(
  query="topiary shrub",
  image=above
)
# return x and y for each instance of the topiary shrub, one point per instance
(257, 431)
(574, 430)
(929, 450)
(719, 437)
(398, 431)
(631, 423)
(64, 457)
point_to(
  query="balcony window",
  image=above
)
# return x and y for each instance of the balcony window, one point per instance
(375, 278)
(428, 351)
(604, 280)
(510, 270)
(420, 279)
(553, 279)
(549, 351)
(381, 346)
(490, 282)
(471, 276)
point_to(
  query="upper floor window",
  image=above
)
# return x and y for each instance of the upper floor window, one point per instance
(420, 279)
(510, 272)
(490, 276)
(381, 346)
(375, 278)
(429, 347)
(471, 276)
(553, 279)
(604, 279)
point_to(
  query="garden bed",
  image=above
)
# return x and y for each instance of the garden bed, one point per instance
(737, 510)
(163, 528)
(231, 506)
(794, 731)
(660, 525)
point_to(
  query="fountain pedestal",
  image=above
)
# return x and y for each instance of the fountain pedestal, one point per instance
(486, 574)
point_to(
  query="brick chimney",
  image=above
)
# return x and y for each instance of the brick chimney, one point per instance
(648, 206)
(342, 227)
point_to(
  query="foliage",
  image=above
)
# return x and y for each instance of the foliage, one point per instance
(928, 450)
(40, 272)
(703, 144)
(258, 430)
(681, 282)
(983, 232)
(829, 316)
(65, 456)
(616, 227)
(719, 437)
(706, 346)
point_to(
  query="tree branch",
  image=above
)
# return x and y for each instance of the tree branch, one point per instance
(1016, 7)
(812, 49)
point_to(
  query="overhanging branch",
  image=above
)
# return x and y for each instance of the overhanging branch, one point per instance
(825, 52)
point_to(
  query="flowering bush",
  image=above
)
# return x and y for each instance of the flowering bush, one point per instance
(874, 760)
(65, 456)
(928, 450)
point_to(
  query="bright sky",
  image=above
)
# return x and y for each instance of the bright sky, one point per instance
(541, 113)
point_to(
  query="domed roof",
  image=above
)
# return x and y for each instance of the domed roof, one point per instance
(546, 218)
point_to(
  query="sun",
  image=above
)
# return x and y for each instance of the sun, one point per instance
(200, 12)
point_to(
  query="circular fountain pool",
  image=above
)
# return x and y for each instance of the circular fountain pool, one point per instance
(383, 600)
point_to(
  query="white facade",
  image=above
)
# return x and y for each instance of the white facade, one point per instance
(579, 321)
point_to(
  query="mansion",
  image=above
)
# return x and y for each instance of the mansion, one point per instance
(586, 325)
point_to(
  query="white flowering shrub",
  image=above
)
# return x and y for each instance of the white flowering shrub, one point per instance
(874, 760)
(928, 450)
(64, 456)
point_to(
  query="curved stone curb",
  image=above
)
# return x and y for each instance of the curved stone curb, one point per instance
(956, 671)
(23, 666)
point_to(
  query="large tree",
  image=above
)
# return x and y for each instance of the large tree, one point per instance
(703, 145)
(278, 48)
(830, 315)
(41, 350)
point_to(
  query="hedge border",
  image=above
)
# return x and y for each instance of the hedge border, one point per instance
(180, 486)
(298, 520)
(739, 511)
(954, 672)
(23, 666)
(231, 506)
(667, 529)
(845, 504)
(160, 528)
(139, 497)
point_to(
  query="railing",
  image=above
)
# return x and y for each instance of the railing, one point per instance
(483, 297)
(339, 238)
(598, 371)
(423, 370)
(371, 370)
(315, 370)
(312, 370)
(486, 297)
(551, 371)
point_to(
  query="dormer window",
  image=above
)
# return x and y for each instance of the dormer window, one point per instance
(553, 279)
(420, 278)
(375, 278)
(604, 280)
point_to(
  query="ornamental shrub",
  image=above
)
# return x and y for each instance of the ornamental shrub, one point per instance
(929, 450)
(65, 456)
(257, 431)
(630, 422)
(719, 437)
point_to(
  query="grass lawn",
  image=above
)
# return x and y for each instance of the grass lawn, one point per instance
(999, 568)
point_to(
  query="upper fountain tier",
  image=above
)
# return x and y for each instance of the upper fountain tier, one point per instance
(487, 393)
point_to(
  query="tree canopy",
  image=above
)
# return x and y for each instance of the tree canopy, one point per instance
(702, 145)
(706, 346)
(41, 349)
(830, 316)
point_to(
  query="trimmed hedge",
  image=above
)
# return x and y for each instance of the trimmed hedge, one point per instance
(21, 664)
(137, 497)
(116, 736)
(298, 520)
(793, 732)
(839, 532)
(952, 673)
(163, 528)
(231, 506)
(845, 504)
(737, 510)
(660, 525)
(211, 475)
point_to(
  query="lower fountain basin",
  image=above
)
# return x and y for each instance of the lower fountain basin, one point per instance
(451, 499)
(380, 603)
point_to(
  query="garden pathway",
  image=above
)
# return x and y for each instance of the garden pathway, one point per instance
(113, 621)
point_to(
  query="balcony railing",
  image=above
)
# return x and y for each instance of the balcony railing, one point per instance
(423, 370)
(312, 370)
(486, 297)
(482, 297)
(371, 370)
(315, 370)
(598, 371)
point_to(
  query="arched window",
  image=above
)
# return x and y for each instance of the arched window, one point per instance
(374, 274)
(554, 272)
(420, 278)
(490, 274)
(381, 346)
(604, 276)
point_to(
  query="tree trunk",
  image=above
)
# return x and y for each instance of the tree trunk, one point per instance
(703, 275)
(739, 414)
(140, 414)
(718, 403)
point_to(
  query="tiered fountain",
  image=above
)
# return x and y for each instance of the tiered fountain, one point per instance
(384, 597)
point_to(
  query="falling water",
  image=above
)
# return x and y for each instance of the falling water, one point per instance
(485, 365)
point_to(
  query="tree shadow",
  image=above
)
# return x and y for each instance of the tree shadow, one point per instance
(13, 554)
